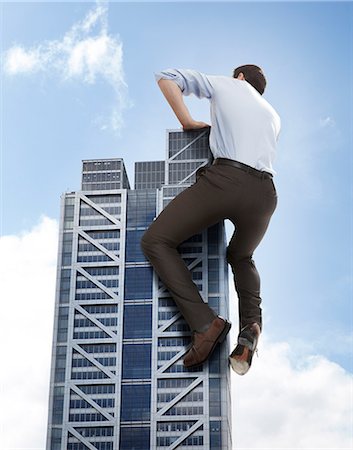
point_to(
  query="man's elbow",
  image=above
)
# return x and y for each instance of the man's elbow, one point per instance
(168, 84)
(165, 81)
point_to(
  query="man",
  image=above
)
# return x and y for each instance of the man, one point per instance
(238, 186)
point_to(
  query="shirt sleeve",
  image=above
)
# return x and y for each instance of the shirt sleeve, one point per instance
(190, 81)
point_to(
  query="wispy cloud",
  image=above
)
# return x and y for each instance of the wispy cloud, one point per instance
(85, 53)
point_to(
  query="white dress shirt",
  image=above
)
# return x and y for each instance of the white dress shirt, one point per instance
(244, 126)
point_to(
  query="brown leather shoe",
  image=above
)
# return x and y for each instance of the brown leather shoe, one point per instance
(203, 343)
(241, 357)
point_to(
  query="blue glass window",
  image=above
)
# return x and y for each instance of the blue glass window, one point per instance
(214, 362)
(141, 207)
(58, 405)
(133, 246)
(63, 324)
(213, 276)
(65, 279)
(60, 364)
(55, 442)
(138, 283)
(135, 402)
(215, 435)
(137, 361)
(96, 431)
(213, 303)
(134, 438)
(67, 249)
(137, 321)
(69, 215)
(213, 233)
(215, 396)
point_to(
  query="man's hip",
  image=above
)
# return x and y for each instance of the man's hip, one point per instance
(243, 166)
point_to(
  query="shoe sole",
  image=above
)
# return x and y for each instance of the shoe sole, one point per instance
(240, 364)
(220, 339)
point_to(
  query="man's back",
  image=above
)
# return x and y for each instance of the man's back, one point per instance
(245, 127)
(248, 124)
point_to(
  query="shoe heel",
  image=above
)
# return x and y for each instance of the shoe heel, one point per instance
(225, 331)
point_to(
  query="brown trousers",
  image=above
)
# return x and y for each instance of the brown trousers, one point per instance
(221, 191)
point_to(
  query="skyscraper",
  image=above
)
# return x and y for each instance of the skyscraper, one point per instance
(117, 377)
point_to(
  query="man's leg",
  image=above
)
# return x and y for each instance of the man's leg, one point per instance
(194, 209)
(246, 237)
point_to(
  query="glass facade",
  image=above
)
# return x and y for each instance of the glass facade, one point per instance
(137, 321)
(117, 379)
(149, 174)
(138, 283)
(136, 361)
(98, 175)
(135, 403)
(137, 438)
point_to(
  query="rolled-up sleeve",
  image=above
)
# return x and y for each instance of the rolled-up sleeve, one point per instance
(190, 81)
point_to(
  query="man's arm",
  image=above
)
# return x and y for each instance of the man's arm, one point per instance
(174, 83)
(174, 96)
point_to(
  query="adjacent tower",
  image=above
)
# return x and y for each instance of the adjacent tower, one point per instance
(117, 378)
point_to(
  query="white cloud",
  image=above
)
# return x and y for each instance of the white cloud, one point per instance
(285, 401)
(291, 400)
(80, 55)
(27, 273)
(18, 60)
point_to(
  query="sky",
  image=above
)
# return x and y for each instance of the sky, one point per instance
(77, 82)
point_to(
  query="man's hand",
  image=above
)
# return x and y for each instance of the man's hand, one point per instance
(193, 125)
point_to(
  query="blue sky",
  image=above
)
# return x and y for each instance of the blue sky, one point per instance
(56, 112)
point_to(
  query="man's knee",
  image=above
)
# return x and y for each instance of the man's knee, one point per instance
(234, 258)
(150, 241)
(146, 241)
(153, 241)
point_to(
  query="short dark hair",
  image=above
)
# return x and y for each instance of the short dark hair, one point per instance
(253, 75)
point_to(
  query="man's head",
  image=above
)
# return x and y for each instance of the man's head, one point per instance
(253, 75)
